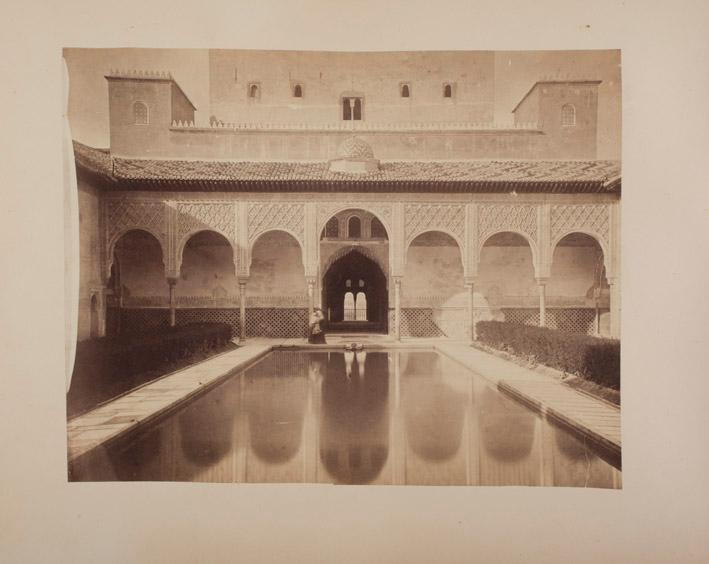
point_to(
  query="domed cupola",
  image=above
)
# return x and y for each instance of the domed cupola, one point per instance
(354, 156)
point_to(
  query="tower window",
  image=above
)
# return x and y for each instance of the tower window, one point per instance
(447, 91)
(354, 228)
(254, 90)
(405, 91)
(568, 114)
(351, 109)
(297, 91)
(140, 113)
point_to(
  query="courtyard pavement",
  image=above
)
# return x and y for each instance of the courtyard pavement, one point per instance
(592, 417)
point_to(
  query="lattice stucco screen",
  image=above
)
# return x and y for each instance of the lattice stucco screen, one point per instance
(260, 322)
(276, 322)
(570, 320)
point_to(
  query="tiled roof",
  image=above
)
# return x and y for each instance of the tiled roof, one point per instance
(586, 175)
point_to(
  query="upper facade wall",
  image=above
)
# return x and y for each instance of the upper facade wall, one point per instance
(326, 77)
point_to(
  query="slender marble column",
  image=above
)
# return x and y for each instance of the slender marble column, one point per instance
(172, 282)
(614, 283)
(311, 294)
(542, 284)
(397, 308)
(470, 287)
(242, 308)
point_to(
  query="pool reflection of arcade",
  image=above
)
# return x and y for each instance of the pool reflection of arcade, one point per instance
(356, 417)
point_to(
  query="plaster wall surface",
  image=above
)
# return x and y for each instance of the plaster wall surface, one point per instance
(325, 77)
(276, 267)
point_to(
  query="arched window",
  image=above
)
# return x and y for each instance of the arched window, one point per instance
(405, 91)
(297, 91)
(253, 91)
(140, 113)
(361, 307)
(349, 307)
(568, 114)
(377, 230)
(332, 228)
(357, 111)
(354, 228)
(447, 91)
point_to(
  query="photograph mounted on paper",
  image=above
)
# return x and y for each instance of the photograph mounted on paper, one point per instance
(343, 267)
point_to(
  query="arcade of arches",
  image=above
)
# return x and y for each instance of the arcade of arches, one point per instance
(371, 268)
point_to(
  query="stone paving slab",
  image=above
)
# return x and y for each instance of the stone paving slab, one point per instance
(127, 412)
(592, 417)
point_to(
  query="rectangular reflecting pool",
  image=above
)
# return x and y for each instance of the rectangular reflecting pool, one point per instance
(366, 417)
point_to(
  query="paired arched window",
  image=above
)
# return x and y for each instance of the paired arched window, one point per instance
(568, 114)
(140, 113)
(351, 109)
(332, 228)
(354, 228)
(447, 91)
(297, 91)
(405, 91)
(354, 306)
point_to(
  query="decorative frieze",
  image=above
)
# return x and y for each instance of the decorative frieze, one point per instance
(198, 216)
(123, 215)
(496, 218)
(422, 217)
(264, 216)
(588, 218)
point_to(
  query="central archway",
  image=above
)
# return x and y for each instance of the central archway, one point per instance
(359, 281)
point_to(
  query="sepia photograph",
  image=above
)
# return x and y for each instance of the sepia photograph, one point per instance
(347, 282)
(332, 267)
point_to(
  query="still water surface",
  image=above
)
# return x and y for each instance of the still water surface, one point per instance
(402, 417)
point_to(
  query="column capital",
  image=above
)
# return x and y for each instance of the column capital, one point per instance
(470, 280)
(242, 280)
(172, 280)
(542, 280)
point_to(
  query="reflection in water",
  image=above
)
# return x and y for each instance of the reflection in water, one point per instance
(354, 427)
(276, 397)
(434, 406)
(355, 418)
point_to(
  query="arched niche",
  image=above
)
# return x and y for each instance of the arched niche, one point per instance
(276, 265)
(506, 276)
(139, 256)
(434, 266)
(207, 267)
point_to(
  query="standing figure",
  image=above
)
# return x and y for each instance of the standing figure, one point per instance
(315, 332)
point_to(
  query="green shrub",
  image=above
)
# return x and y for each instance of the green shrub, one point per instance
(106, 367)
(593, 358)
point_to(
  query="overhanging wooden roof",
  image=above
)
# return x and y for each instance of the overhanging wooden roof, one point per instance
(394, 176)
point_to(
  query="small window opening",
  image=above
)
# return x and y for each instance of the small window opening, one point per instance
(298, 91)
(332, 228)
(349, 307)
(354, 228)
(405, 91)
(351, 109)
(377, 229)
(140, 113)
(447, 91)
(361, 306)
(253, 91)
(568, 115)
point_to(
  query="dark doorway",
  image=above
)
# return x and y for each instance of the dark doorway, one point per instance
(356, 275)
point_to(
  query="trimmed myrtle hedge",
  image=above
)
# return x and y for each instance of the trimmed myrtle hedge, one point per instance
(109, 366)
(593, 358)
